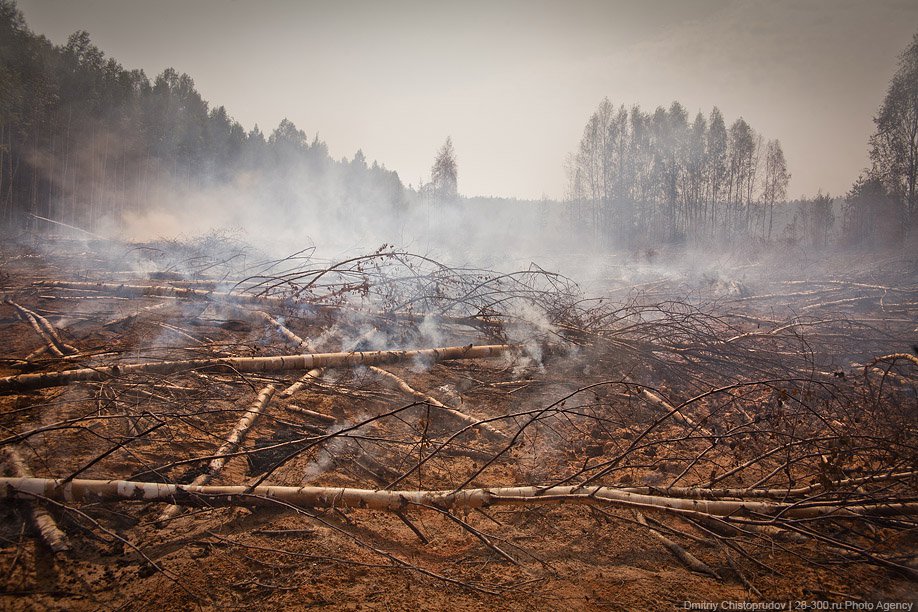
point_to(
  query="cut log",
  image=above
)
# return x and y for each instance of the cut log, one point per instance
(745, 493)
(465, 420)
(312, 414)
(293, 339)
(894, 357)
(44, 329)
(233, 441)
(658, 401)
(298, 386)
(685, 557)
(158, 291)
(43, 521)
(131, 316)
(126, 290)
(283, 363)
(96, 491)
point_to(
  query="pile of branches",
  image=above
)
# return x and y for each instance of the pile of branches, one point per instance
(394, 383)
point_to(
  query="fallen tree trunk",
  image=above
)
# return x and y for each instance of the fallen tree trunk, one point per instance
(685, 557)
(131, 316)
(44, 329)
(30, 361)
(126, 290)
(264, 317)
(283, 363)
(894, 357)
(291, 337)
(44, 522)
(95, 491)
(325, 419)
(310, 376)
(398, 383)
(233, 440)
(658, 401)
(777, 492)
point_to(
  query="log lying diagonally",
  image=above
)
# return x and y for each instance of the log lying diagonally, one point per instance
(463, 419)
(232, 442)
(688, 559)
(85, 490)
(44, 329)
(283, 363)
(296, 341)
(43, 521)
(658, 401)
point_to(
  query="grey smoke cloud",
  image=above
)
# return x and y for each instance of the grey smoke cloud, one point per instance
(514, 82)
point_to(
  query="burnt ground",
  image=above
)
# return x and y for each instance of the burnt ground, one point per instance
(778, 383)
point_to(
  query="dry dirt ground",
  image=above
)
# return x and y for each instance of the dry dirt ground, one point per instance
(759, 386)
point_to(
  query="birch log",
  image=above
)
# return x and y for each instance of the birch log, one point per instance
(96, 491)
(688, 559)
(44, 329)
(126, 290)
(43, 521)
(293, 339)
(398, 383)
(283, 363)
(658, 401)
(233, 441)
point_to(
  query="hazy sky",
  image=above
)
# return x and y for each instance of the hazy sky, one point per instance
(514, 82)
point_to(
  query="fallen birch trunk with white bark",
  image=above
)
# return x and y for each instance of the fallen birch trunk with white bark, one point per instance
(128, 290)
(658, 401)
(685, 557)
(465, 420)
(282, 363)
(43, 521)
(777, 492)
(233, 441)
(97, 491)
(44, 329)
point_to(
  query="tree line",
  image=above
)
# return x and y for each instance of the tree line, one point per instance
(882, 205)
(641, 178)
(657, 177)
(84, 140)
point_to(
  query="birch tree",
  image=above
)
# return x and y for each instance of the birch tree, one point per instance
(894, 146)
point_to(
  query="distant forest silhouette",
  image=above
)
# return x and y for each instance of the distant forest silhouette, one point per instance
(84, 141)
